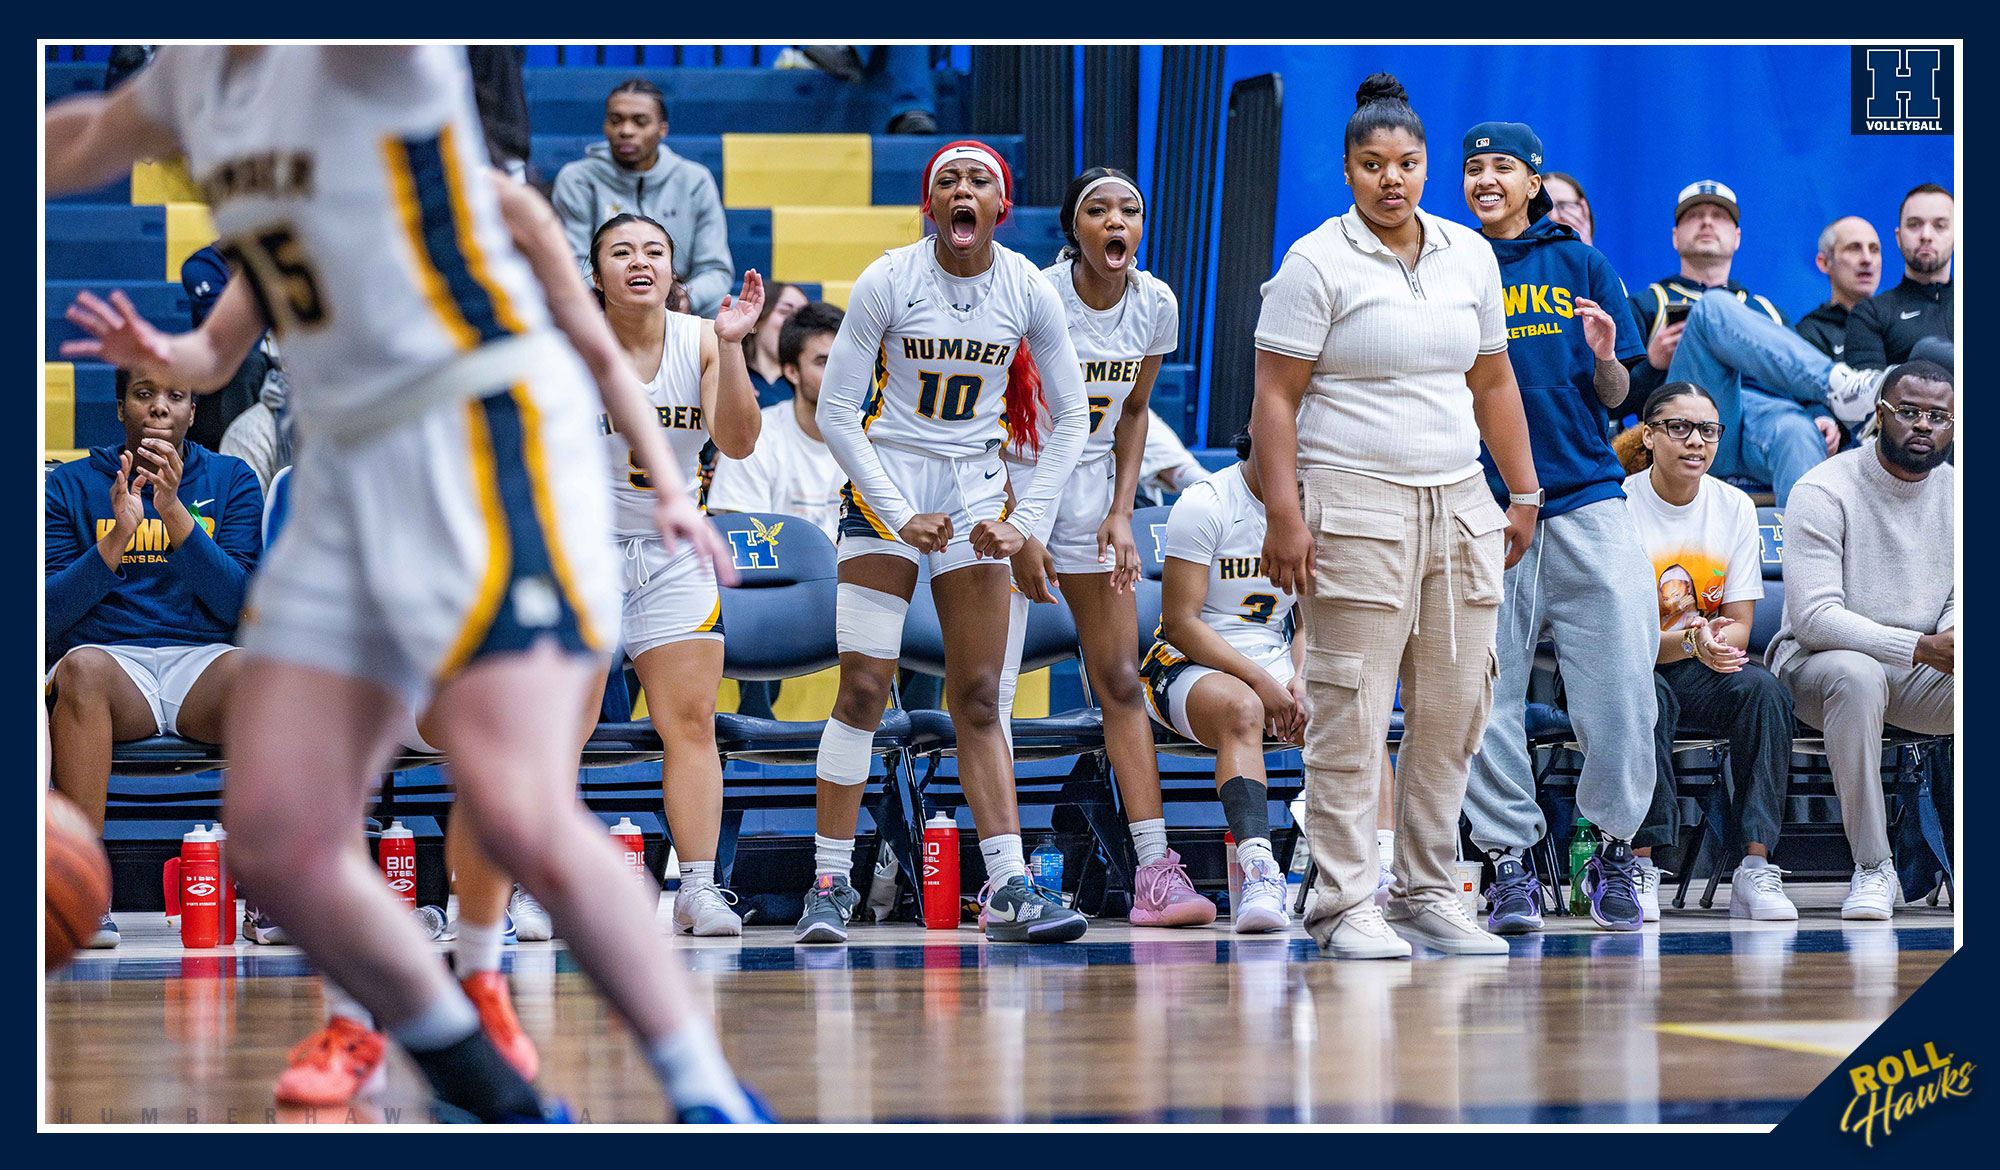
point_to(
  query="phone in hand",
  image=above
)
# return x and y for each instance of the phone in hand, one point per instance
(1679, 313)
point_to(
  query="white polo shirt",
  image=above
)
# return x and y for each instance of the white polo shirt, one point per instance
(1390, 346)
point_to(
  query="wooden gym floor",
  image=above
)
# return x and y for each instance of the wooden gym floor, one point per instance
(1699, 1019)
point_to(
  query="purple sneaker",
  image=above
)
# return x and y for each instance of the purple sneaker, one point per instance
(1162, 895)
(1514, 899)
(1611, 882)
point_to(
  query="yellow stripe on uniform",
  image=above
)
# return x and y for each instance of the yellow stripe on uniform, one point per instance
(714, 615)
(536, 458)
(499, 545)
(879, 391)
(468, 245)
(403, 192)
(868, 514)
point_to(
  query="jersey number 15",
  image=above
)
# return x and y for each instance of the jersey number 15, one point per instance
(280, 275)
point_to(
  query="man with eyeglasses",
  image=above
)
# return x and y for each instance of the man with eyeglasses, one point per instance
(1861, 651)
(1771, 388)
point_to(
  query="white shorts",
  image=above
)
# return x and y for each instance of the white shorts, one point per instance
(668, 598)
(164, 674)
(1071, 523)
(1170, 678)
(968, 490)
(479, 527)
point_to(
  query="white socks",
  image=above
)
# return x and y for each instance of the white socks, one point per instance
(833, 856)
(339, 1003)
(1002, 854)
(1255, 849)
(441, 1025)
(478, 947)
(1752, 861)
(689, 1064)
(1149, 839)
(696, 874)
(1385, 845)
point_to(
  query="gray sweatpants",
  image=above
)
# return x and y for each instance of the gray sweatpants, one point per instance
(1586, 582)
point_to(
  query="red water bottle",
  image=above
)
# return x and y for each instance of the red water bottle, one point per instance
(941, 884)
(398, 855)
(193, 885)
(632, 843)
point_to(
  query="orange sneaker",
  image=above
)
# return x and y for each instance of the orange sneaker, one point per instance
(488, 992)
(333, 1066)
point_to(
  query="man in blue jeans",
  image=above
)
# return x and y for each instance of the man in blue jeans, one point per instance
(1770, 386)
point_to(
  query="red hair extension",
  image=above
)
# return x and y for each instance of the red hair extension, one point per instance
(1024, 402)
(1006, 177)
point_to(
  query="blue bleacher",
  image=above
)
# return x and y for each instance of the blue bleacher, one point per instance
(162, 302)
(117, 191)
(706, 101)
(750, 239)
(106, 242)
(96, 406)
(73, 77)
(1035, 232)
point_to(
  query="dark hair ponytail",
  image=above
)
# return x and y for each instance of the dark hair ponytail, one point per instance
(1630, 444)
(625, 217)
(1381, 103)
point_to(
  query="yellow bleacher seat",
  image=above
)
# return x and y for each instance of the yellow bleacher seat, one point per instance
(65, 455)
(189, 230)
(811, 696)
(58, 405)
(836, 292)
(822, 244)
(163, 181)
(765, 170)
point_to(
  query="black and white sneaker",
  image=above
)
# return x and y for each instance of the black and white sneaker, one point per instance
(1021, 911)
(830, 906)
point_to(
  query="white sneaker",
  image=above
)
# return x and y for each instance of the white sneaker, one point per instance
(1851, 393)
(531, 922)
(1871, 893)
(1444, 926)
(1362, 933)
(1260, 905)
(437, 928)
(1760, 893)
(1649, 889)
(704, 910)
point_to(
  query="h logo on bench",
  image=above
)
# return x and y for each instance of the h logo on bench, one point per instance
(756, 548)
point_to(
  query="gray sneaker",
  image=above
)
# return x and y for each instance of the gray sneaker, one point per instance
(829, 905)
(1022, 911)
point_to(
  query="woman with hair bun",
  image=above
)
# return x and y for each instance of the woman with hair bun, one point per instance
(1381, 366)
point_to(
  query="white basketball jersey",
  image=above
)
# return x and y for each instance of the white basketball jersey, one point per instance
(1218, 522)
(940, 379)
(675, 393)
(350, 186)
(1111, 344)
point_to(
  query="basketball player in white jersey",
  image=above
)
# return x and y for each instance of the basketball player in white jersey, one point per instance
(699, 386)
(1121, 321)
(449, 530)
(919, 374)
(1226, 670)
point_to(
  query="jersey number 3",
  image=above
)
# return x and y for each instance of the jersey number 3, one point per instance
(281, 276)
(1257, 607)
(960, 395)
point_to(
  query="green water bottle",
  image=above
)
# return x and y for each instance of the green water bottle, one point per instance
(1582, 844)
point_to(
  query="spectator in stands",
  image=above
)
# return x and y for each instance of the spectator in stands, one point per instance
(204, 274)
(262, 436)
(1582, 582)
(1167, 467)
(1777, 395)
(1569, 205)
(1885, 329)
(633, 170)
(1706, 570)
(1850, 253)
(149, 546)
(1871, 607)
(760, 349)
(1376, 402)
(900, 75)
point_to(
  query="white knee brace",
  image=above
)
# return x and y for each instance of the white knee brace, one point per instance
(845, 754)
(869, 621)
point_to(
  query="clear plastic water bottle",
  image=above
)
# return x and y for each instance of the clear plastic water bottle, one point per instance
(1045, 867)
(1582, 845)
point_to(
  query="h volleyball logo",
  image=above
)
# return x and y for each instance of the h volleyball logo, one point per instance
(1902, 89)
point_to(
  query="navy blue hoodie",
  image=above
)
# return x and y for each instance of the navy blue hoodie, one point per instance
(162, 595)
(1542, 272)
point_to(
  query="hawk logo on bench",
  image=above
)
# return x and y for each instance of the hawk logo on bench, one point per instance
(1160, 543)
(757, 548)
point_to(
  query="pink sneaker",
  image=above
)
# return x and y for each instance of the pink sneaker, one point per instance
(1163, 896)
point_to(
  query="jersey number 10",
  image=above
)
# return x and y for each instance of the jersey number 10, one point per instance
(961, 395)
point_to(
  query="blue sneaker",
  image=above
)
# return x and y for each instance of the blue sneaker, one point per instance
(1611, 882)
(760, 1113)
(1514, 900)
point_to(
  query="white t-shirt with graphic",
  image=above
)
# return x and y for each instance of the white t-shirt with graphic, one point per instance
(1705, 554)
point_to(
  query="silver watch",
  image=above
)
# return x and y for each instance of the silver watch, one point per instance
(1533, 499)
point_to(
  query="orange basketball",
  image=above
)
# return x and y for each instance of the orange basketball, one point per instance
(77, 890)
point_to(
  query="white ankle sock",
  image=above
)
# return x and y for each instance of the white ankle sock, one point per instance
(834, 856)
(690, 1066)
(1149, 839)
(444, 1023)
(1255, 849)
(1385, 845)
(1002, 854)
(339, 1003)
(478, 947)
(1752, 861)
(696, 874)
